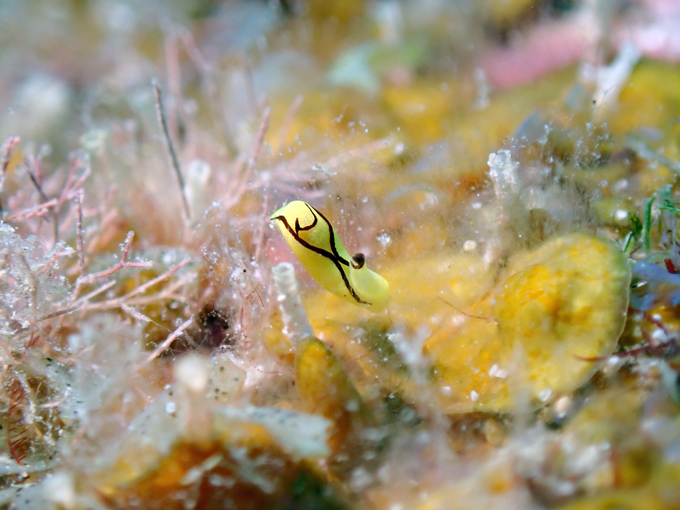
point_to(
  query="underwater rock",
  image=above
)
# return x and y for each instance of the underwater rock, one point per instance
(250, 459)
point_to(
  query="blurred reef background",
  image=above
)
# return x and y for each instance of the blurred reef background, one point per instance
(511, 167)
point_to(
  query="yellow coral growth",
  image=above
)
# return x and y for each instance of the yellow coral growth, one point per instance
(557, 307)
(325, 389)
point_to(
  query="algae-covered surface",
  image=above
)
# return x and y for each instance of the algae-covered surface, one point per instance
(339, 254)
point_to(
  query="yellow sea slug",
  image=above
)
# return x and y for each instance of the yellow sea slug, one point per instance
(314, 242)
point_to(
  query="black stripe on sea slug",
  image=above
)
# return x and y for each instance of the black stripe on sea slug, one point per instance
(308, 227)
(332, 233)
(333, 257)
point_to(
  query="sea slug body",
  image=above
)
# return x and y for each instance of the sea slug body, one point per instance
(314, 241)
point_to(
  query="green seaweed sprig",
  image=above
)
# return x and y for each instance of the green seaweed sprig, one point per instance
(640, 232)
